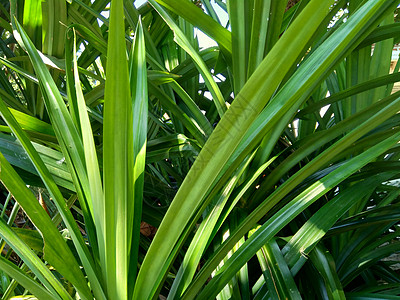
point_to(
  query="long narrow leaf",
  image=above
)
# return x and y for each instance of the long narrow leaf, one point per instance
(56, 251)
(138, 75)
(181, 40)
(54, 192)
(245, 107)
(34, 263)
(117, 160)
(276, 223)
(24, 280)
(194, 15)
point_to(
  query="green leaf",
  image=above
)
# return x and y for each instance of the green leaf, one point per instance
(118, 160)
(287, 213)
(207, 231)
(28, 122)
(56, 249)
(54, 19)
(182, 41)
(24, 280)
(239, 24)
(161, 77)
(381, 33)
(32, 238)
(212, 159)
(138, 80)
(279, 280)
(259, 29)
(92, 164)
(54, 160)
(201, 20)
(72, 147)
(325, 264)
(370, 296)
(34, 263)
(191, 125)
(308, 235)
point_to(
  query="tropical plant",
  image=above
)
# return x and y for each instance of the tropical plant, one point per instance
(136, 165)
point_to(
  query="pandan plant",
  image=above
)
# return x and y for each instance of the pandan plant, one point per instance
(143, 166)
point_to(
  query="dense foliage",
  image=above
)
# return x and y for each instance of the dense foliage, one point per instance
(135, 165)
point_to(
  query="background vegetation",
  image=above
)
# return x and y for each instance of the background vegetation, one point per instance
(135, 165)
